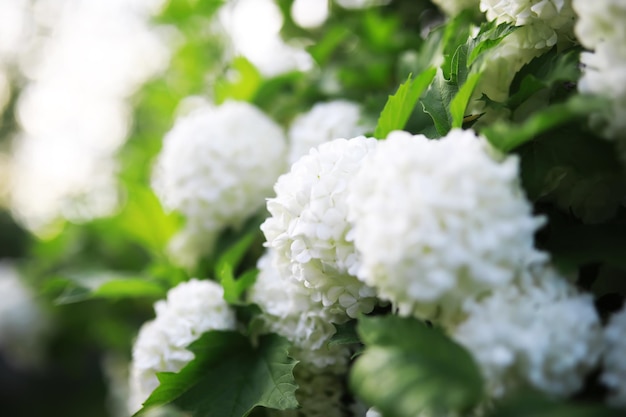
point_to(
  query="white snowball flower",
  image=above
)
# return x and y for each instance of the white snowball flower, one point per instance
(23, 324)
(289, 311)
(218, 164)
(550, 18)
(372, 412)
(191, 308)
(454, 7)
(308, 226)
(540, 332)
(323, 123)
(599, 21)
(439, 221)
(600, 27)
(614, 374)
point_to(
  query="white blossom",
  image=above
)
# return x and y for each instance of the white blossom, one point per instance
(308, 226)
(323, 123)
(289, 311)
(614, 370)
(439, 221)
(540, 332)
(550, 18)
(600, 28)
(218, 164)
(23, 323)
(191, 308)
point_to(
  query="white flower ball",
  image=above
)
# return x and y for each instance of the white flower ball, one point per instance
(614, 374)
(555, 14)
(599, 21)
(289, 311)
(323, 123)
(191, 308)
(218, 164)
(539, 333)
(454, 7)
(308, 226)
(23, 323)
(439, 221)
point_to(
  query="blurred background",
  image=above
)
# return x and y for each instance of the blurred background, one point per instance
(88, 88)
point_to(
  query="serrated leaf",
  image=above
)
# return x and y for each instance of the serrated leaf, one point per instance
(462, 97)
(421, 369)
(489, 36)
(345, 334)
(507, 136)
(399, 106)
(229, 377)
(436, 102)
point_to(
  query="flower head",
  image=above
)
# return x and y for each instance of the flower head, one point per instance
(614, 375)
(439, 221)
(191, 308)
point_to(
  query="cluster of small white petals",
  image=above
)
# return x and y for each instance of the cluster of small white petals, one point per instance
(23, 324)
(372, 412)
(320, 394)
(550, 18)
(454, 7)
(614, 374)
(191, 308)
(308, 226)
(439, 221)
(540, 332)
(289, 311)
(323, 123)
(218, 164)
(600, 27)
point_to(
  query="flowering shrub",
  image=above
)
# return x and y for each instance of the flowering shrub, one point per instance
(398, 208)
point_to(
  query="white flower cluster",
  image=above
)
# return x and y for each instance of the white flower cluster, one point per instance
(191, 308)
(614, 375)
(323, 123)
(289, 311)
(23, 324)
(547, 18)
(540, 332)
(439, 221)
(454, 7)
(218, 164)
(600, 28)
(307, 228)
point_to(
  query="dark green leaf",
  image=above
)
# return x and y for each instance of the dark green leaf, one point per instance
(419, 367)
(535, 405)
(460, 100)
(436, 102)
(345, 335)
(507, 136)
(399, 107)
(229, 377)
(489, 36)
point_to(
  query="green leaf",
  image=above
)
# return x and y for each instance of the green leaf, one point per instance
(535, 405)
(345, 334)
(436, 102)
(228, 263)
(129, 288)
(229, 377)
(460, 100)
(143, 219)
(420, 369)
(507, 136)
(241, 83)
(399, 107)
(489, 36)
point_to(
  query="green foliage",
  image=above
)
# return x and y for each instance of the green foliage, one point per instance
(242, 83)
(228, 263)
(399, 107)
(229, 377)
(535, 405)
(421, 369)
(346, 334)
